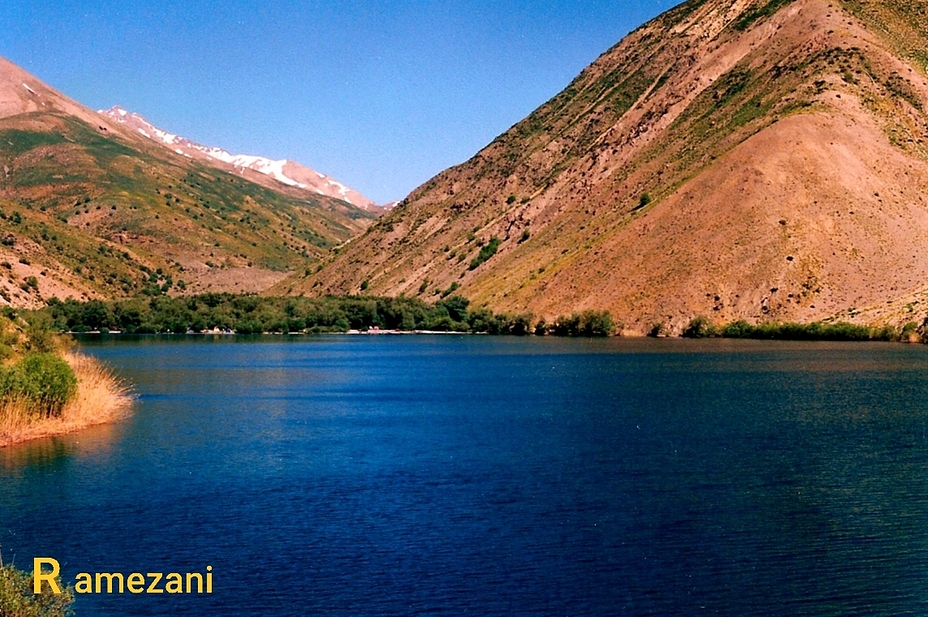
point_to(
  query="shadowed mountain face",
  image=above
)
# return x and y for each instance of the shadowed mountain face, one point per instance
(764, 160)
(90, 208)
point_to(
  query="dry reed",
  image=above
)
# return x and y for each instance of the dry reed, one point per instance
(101, 397)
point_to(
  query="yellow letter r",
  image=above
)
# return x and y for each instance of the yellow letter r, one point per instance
(38, 576)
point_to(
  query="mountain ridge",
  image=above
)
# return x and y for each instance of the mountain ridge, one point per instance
(288, 172)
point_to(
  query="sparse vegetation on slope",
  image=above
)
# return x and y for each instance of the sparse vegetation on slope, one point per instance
(760, 160)
(97, 214)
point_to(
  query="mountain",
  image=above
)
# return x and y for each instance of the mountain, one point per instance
(738, 159)
(90, 208)
(286, 172)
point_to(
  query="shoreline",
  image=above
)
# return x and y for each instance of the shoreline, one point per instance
(101, 398)
(625, 334)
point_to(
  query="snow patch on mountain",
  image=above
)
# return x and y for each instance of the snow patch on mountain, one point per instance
(277, 169)
(274, 169)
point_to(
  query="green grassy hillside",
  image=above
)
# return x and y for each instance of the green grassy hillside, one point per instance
(97, 213)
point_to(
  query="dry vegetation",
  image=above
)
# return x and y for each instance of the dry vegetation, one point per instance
(101, 397)
(48, 389)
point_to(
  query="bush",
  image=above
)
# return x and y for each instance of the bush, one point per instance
(588, 323)
(453, 287)
(566, 326)
(815, 331)
(738, 329)
(489, 250)
(17, 599)
(885, 333)
(597, 323)
(699, 327)
(45, 380)
(40, 337)
(522, 324)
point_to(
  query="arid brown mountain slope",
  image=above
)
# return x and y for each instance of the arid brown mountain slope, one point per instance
(736, 159)
(90, 208)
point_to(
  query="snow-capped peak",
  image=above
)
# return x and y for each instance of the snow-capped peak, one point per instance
(142, 125)
(284, 171)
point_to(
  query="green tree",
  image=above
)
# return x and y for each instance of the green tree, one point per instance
(456, 307)
(699, 327)
(597, 323)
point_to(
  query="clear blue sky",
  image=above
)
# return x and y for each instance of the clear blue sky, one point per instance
(380, 95)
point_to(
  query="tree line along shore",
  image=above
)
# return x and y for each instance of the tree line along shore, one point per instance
(251, 314)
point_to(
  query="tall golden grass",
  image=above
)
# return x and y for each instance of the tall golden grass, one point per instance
(101, 397)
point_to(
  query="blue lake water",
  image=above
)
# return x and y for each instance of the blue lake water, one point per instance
(473, 475)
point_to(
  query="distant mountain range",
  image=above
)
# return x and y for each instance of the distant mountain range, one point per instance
(91, 207)
(284, 171)
(737, 159)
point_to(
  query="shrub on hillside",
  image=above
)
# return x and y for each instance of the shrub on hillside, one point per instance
(489, 250)
(658, 329)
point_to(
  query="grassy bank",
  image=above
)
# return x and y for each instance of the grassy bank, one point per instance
(99, 397)
(48, 389)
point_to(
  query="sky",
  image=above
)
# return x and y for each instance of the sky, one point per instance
(381, 95)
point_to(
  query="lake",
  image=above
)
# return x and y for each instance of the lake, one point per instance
(476, 475)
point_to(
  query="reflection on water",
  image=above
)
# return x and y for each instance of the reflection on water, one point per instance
(39, 454)
(476, 475)
(95, 442)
